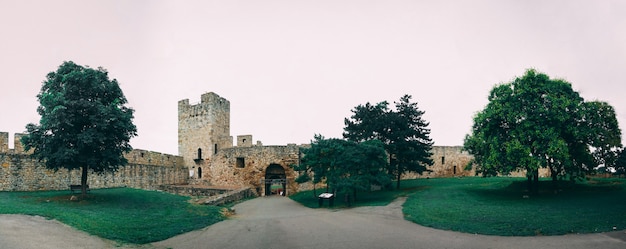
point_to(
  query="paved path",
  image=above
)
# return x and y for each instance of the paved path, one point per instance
(278, 222)
(32, 232)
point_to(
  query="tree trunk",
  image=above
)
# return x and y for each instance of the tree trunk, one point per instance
(398, 183)
(536, 181)
(529, 183)
(83, 181)
(555, 180)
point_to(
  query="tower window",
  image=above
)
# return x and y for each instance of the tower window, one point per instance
(241, 162)
(215, 149)
(443, 160)
(199, 153)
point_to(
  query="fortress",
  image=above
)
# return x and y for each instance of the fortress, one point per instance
(206, 157)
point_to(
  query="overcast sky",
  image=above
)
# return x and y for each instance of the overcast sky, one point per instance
(292, 69)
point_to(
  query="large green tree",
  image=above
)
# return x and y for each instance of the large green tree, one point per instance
(620, 164)
(536, 122)
(403, 131)
(344, 166)
(84, 123)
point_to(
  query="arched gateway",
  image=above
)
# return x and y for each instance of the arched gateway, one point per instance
(275, 181)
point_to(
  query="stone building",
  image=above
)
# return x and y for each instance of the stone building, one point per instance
(205, 143)
(205, 127)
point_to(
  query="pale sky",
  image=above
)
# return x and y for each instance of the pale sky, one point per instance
(292, 69)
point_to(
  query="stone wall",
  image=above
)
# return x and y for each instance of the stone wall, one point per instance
(451, 161)
(192, 191)
(20, 171)
(245, 166)
(229, 197)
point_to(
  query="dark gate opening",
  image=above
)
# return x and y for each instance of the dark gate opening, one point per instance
(275, 180)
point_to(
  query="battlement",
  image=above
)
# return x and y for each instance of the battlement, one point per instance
(214, 99)
(207, 100)
(136, 156)
(145, 157)
(18, 148)
(4, 142)
(246, 141)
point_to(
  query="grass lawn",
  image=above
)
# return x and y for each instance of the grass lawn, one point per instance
(375, 198)
(497, 206)
(120, 214)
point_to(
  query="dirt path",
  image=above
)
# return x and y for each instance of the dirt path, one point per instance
(279, 222)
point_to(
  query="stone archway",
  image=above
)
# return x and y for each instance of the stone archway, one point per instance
(275, 176)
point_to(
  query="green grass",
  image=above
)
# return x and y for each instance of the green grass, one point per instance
(496, 206)
(363, 198)
(120, 214)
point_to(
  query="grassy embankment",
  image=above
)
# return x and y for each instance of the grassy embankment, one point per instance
(500, 206)
(120, 214)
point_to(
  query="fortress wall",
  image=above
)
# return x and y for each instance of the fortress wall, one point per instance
(227, 170)
(20, 171)
(449, 161)
(138, 156)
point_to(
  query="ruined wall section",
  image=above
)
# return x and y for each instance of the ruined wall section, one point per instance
(203, 129)
(20, 171)
(449, 161)
(245, 166)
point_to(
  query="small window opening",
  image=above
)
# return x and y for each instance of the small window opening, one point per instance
(443, 160)
(241, 162)
(199, 153)
(215, 149)
(454, 170)
(199, 172)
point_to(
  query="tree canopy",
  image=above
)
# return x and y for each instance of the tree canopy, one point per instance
(344, 166)
(620, 164)
(84, 123)
(403, 132)
(536, 122)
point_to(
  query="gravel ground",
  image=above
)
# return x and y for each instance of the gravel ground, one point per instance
(279, 222)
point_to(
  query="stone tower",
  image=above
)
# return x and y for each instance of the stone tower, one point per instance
(203, 129)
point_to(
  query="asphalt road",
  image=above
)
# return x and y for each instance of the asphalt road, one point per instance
(279, 222)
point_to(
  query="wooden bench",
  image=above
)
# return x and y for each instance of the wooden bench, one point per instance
(77, 188)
